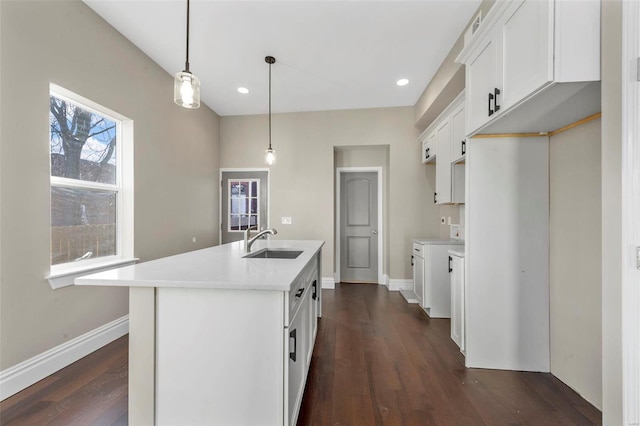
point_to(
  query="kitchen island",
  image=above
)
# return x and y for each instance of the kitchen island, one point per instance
(216, 337)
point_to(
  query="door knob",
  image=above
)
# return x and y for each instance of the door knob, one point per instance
(375, 232)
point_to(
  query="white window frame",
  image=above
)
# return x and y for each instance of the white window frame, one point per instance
(62, 275)
(257, 197)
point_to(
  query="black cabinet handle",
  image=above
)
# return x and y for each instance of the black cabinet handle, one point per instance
(450, 259)
(299, 292)
(411, 260)
(315, 289)
(491, 111)
(496, 91)
(426, 153)
(464, 147)
(292, 335)
(435, 197)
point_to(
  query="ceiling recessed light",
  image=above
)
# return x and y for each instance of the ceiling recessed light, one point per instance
(402, 82)
(243, 90)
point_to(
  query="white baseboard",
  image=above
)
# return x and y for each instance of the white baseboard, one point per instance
(328, 283)
(385, 280)
(23, 375)
(397, 285)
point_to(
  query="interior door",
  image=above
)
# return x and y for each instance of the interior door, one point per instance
(359, 227)
(244, 203)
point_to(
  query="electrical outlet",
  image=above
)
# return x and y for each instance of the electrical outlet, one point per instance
(442, 220)
(286, 220)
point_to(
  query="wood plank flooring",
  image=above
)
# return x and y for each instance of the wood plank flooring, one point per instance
(381, 361)
(91, 391)
(377, 361)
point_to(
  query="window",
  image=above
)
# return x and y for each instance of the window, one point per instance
(91, 184)
(244, 200)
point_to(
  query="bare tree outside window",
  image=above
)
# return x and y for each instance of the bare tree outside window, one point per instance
(84, 184)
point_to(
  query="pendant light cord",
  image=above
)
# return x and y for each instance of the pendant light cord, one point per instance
(269, 105)
(186, 63)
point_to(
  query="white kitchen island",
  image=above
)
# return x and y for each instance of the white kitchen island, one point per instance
(219, 339)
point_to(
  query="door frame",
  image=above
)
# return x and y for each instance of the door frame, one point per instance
(226, 169)
(630, 212)
(378, 171)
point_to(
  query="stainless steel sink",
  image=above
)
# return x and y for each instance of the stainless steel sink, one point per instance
(274, 253)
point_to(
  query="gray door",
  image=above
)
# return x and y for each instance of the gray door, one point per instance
(244, 203)
(359, 227)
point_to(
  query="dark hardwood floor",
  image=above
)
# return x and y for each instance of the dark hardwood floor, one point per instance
(377, 361)
(91, 391)
(381, 361)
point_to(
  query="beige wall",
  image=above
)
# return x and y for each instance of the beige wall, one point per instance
(302, 181)
(176, 165)
(575, 253)
(612, 212)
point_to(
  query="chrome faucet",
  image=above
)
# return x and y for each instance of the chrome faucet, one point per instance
(248, 242)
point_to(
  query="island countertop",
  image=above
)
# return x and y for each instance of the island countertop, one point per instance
(218, 267)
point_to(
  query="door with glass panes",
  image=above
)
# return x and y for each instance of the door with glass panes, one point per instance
(243, 203)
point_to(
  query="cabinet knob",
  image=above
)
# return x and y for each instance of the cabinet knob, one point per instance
(299, 292)
(435, 197)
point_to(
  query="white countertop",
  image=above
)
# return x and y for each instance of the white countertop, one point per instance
(457, 252)
(219, 267)
(442, 242)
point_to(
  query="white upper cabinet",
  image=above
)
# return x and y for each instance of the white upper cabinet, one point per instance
(443, 163)
(519, 56)
(429, 146)
(481, 81)
(458, 135)
(527, 50)
(446, 137)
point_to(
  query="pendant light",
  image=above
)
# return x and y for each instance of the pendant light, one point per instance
(270, 153)
(186, 86)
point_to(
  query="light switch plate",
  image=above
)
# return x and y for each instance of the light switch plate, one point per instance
(286, 220)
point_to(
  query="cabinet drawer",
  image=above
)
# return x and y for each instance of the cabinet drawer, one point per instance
(302, 285)
(418, 249)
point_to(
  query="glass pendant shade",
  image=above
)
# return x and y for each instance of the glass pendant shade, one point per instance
(270, 156)
(186, 90)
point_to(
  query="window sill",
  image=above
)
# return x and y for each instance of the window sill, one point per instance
(65, 278)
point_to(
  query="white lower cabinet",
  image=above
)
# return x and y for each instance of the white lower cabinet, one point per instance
(299, 339)
(456, 271)
(431, 277)
(234, 357)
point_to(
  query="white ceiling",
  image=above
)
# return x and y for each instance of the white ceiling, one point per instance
(330, 54)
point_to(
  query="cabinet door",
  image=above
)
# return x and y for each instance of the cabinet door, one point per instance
(296, 335)
(527, 50)
(443, 163)
(456, 265)
(481, 82)
(429, 148)
(418, 278)
(458, 136)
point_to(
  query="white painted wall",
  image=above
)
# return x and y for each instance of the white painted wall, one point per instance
(575, 254)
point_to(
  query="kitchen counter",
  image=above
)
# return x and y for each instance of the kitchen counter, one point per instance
(440, 242)
(457, 252)
(212, 332)
(219, 267)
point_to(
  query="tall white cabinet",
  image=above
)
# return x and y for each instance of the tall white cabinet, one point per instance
(507, 254)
